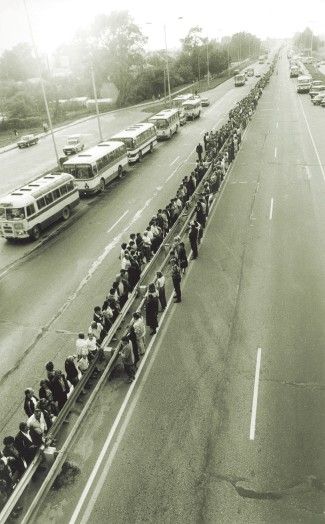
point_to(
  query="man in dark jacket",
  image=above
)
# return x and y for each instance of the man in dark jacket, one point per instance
(24, 443)
(199, 150)
(193, 238)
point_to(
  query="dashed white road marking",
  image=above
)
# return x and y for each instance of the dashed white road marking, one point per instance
(255, 395)
(118, 221)
(275, 152)
(175, 160)
(277, 125)
(271, 209)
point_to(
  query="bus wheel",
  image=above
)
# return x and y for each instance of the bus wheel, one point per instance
(176, 129)
(151, 148)
(102, 185)
(66, 213)
(170, 134)
(120, 171)
(140, 156)
(36, 232)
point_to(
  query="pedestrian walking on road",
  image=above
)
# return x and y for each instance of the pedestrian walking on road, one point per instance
(152, 313)
(182, 257)
(199, 150)
(193, 238)
(176, 277)
(127, 355)
(161, 290)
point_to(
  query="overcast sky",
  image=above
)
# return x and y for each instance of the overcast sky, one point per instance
(55, 21)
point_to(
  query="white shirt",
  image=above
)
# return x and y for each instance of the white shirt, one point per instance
(161, 282)
(80, 344)
(92, 344)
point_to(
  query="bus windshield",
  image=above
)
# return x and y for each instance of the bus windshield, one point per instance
(161, 124)
(80, 171)
(12, 213)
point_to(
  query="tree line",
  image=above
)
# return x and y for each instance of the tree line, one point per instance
(114, 46)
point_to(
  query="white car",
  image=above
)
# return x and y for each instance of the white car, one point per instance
(205, 101)
(73, 145)
(317, 100)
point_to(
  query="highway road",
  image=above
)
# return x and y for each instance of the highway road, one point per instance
(226, 422)
(18, 167)
(48, 294)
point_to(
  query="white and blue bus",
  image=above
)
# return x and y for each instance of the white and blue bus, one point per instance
(167, 122)
(26, 211)
(98, 165)
(138, 139)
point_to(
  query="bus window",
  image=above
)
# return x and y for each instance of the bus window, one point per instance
(48, 199)
(56, 194)
(41, 203)
(83, 171)
(64, 190)
(30, 210)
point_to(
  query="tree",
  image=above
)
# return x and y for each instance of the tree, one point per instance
(307, 40)
(121, 45)
(18, 63)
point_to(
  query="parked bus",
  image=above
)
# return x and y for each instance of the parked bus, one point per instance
(304, 83)
(98, 165)
(178, 102)
(167, 122)
(192, 108)
(26, 211)
(240, 80)
(138, 139)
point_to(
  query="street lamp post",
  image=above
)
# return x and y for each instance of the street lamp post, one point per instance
(167, 64)
(42, 83)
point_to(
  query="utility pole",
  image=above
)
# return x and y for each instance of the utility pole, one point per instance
(167, 64)
(96, 100)
(208, 69)
(42, 83)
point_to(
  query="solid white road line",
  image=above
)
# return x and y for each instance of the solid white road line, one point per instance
(312, 139)
(118, 221)
(175, 160)
(255, 395)
(271, 209)
(275, 152)
(91, 500)
(277, 125)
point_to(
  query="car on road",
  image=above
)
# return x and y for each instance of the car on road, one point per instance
(314, 91)
(74, 145)
(316, 83)
(205, 101)
(257, 75)
(27, 140)
(317, 100)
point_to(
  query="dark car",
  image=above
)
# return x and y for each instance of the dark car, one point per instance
(27, 140)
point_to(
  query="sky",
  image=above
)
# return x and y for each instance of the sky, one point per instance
(56, 21)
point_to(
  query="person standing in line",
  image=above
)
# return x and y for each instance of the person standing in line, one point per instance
(152, 313)
(176, 278)
(199, 150)
(127, 355)
(161, 290)
(182, 257)
(140, 332)
(193, 238)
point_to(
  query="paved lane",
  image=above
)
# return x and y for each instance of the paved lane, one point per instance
(187, 453)
(48, 296)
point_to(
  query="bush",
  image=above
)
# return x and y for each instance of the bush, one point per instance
(21, 123)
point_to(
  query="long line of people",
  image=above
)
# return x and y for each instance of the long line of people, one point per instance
(220, 148)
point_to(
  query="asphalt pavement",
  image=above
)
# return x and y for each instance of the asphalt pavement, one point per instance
(226, 422)
(48, 293)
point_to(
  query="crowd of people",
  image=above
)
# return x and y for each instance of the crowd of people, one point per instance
(218, 151)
